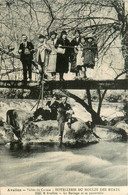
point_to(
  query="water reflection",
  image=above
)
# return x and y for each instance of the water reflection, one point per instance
(28, 149)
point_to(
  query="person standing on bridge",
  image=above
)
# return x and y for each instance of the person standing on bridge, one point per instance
(63, 53)
(80, 58)
(26, 50)
(43, 55)
(90, 52)
(75, 42)
(51, 67)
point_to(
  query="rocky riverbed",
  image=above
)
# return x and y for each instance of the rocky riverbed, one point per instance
(79, 133)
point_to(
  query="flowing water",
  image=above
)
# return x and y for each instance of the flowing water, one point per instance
(48, 165)
(37, 164)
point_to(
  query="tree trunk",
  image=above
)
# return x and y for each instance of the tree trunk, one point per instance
(96, 119)
(101, 97)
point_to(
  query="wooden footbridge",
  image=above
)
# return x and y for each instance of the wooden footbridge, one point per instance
(121, 84)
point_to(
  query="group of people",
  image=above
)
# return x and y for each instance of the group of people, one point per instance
(54, 54)
(62, 112)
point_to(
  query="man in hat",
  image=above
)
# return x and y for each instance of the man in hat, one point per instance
(53, 106)
(64, 114)
(26, 50)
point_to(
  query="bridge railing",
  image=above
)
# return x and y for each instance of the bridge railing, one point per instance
(11, 69)
(16, 74)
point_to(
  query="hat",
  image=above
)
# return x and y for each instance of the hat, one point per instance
(53, 33)
(63, 33)
(24, 35)
(87, 38)
(41, 36)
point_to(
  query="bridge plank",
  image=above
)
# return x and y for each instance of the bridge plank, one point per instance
(68, 84)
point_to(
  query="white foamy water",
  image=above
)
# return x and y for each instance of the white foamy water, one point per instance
(40, 165)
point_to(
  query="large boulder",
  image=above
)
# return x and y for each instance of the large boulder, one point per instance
(122, 125)
(110, 133)
(79, 134)
(1, 121)
(47, 131)
(16, 120)
(3, 137)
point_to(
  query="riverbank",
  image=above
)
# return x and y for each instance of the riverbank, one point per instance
(117, 96)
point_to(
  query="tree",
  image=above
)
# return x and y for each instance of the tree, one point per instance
(107, 20)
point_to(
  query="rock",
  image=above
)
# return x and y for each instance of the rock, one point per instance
(115, 120)
(3, 138)
(79, 134)
(2, 142)
(47, 131)
(1, 121)
(109, 133)
(122, 125)
(41, 131)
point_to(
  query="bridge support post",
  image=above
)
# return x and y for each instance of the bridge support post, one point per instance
(42, 90)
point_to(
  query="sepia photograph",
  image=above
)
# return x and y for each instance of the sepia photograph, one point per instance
(63, 96)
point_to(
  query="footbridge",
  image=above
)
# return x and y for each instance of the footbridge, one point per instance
(120, 84)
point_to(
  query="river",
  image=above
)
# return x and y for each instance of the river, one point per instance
(44, 165)
(103, 164)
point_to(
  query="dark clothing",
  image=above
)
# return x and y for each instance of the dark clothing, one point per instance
(89, 53)
(74, 42)
(61, 112)
(62, 64)
(27, 67)
(28, 46)
(41, 112)
(26, 58)
(61, 125)
(62, 117)
(53, 107)
(12, 120)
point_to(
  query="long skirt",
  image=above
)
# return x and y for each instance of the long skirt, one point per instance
(89, 59)
(73, 63)
(51, 67)
(62, 64)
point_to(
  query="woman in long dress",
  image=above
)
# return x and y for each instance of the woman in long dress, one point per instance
(42, 56)
(80, 58)
(51, 67)
(90, 52)
(75, 42)
(63, 53)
